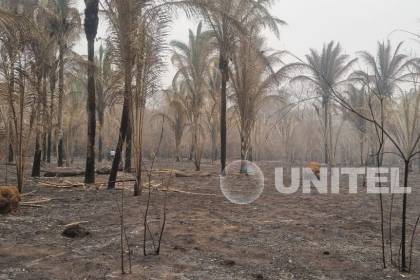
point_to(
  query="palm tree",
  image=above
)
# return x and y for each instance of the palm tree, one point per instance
(386, 72)
(253, 80)
(91, 28)
(108, 88)
(52, 81)
(15, 35)
(226, 19)
(212, 109)
(64, 22)
(325, 71)
(192, 62)
(138, 29)
(40, 44)
(123, 17)
(176, 116)
(357, 99)
(148, 69)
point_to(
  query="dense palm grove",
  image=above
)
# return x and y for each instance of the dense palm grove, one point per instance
(232, 96)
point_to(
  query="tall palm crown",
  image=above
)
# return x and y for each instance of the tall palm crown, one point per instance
(192, 62)
(63, 20)
(387, 70)
(176, 115)
(64, 24)
(325, 70)
(226, 19)
(135, 52)
(253, 77)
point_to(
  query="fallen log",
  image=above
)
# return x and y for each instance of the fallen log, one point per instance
(76, 223)
(64, 173)
(64, 185)
(35, 202)
(76, 172)
(32, 205)
(191, 193)
(191, 174)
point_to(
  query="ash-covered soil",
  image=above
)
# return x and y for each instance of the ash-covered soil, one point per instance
(299, 236)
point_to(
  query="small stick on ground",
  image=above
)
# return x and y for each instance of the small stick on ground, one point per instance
(76, 223)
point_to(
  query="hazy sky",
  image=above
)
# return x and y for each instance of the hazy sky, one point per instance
(356, 24)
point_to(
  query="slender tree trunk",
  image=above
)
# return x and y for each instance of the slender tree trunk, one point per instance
(20, 157)
(213, 145)
(224, 68)
(245, 150)
(36, 166)
(381, 139)
(331, 146)
(44, 146)
(177, 153)
(138, 187)
(10, 156)
(60, 154)
(91, 26)
(325, 104)
(11, 92)
(197, 144)
(192, 148)
(362, 150)
(123, 130)
(100, 142)
(49, 145)
(44, 115)
(403, 267)
(50, 127)
(243, 168)
(128, 145)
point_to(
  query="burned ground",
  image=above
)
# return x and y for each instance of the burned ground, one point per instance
(300, 236)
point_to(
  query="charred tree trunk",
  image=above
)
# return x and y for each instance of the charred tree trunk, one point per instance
(11, 88)
(224, 69)
(60, 152)
(91, 27)
(123, 130)
(11, 155)
(36, 166)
